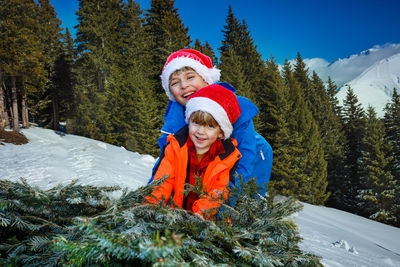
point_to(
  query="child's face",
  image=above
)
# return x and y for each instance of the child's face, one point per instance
(185, 83)
(203, 136)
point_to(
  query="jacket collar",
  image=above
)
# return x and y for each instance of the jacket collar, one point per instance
(229, 148)
(182, 135)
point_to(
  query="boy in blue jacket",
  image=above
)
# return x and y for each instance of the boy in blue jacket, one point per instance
(187, 71)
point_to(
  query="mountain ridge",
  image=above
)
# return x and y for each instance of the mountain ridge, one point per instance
(372, 74)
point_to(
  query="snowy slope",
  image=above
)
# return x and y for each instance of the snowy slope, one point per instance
(375, 85)
(347, 69)
(372, 74)
(50, 159)
(345, 239)
(341, 238)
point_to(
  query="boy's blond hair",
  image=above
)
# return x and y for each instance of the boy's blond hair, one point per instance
(203, 118)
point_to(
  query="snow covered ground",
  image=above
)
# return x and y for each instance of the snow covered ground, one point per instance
(51, 158)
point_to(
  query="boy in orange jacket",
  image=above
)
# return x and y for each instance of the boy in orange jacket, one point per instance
(203, 149)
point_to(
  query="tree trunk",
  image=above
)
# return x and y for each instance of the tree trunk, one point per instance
(24, 107)
(7, 105)
(14, 105)
(2, 105)
(56, 113)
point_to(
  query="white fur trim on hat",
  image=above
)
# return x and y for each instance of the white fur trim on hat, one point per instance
(210, 76)
(217, 111)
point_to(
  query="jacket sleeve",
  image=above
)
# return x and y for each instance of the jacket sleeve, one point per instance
(207, 206)
(246, 138)
(166, 167)
(174, 120)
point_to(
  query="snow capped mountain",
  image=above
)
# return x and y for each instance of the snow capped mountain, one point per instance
(372, 74)
(345, 70)
(375, 85)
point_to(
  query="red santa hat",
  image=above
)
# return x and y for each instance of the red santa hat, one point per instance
(199, 62)
(220, 102)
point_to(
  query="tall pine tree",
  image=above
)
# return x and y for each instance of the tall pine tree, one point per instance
(331, 92)
(275, 117)
(206, 49)
(163, 23)
(309, 184)
(323, 107)
(233, 73)
(51, 36)
(66, 75)
(354, 129)
(97, 45)
(334, 149)
(237, 38)
(392, 127)
(138, 105)
(240, 62)
(21, 49)
(377, 186)
(274, 106)
(301, 75)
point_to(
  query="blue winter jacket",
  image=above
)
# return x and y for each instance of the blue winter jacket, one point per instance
(243, 131)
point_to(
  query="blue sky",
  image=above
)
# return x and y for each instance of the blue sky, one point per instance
(329, 29)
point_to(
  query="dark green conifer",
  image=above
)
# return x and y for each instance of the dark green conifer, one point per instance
(21, 49)
(141, 107)
(67, 59)
(308, 156)
(275, 112)
(274, 105)
(50, 34)
(98, 45)
(354, 129)
(232, 33)
(206, 49)
(238, 48)
(300, 73)
(168, 33)
(233, 73)
(166, 27)
(392, 128)
(289, 151)
(80, 225)
(30, 218)
(62, 94)
(320, 106)
(331, 91)
(62, 81)
(334, 146)
(377, 185)
(324, 108)
(253, 63)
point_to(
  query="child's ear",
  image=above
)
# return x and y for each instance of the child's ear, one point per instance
(221, 134)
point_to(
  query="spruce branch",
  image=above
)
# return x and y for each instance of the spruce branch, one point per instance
(255, 231)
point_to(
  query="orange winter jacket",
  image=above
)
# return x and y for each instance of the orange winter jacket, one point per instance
(174, 163)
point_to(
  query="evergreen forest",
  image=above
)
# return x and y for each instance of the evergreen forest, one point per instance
(105, 84)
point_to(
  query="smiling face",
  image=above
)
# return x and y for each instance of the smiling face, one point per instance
(203, 131)
(184, 83)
